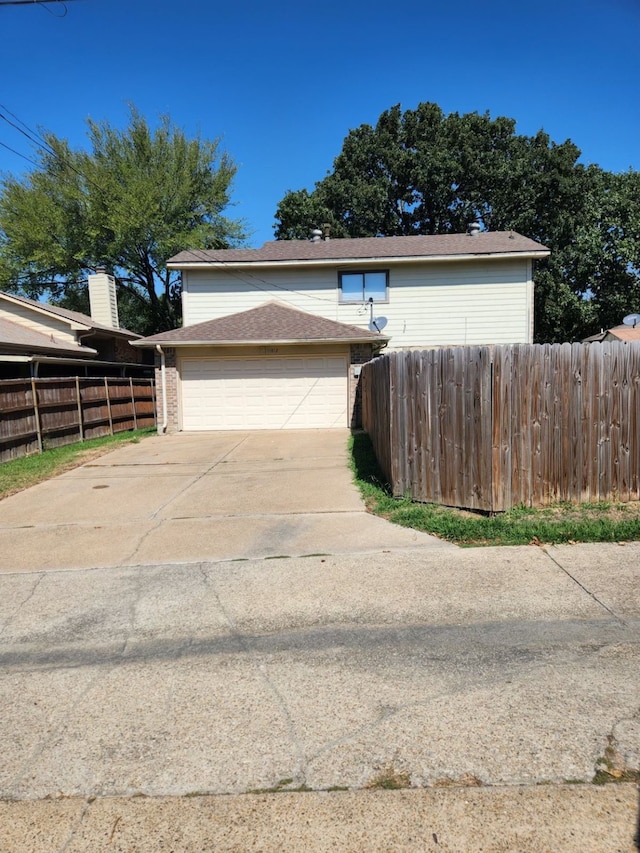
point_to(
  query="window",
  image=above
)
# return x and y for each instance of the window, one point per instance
(362, 286)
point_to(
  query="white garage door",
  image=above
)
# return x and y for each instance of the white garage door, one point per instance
(268, 393)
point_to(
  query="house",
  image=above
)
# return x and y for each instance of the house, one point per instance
(617, 333)
(37, 339)
(274, 337)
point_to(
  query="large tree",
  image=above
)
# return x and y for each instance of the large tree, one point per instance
(424, 172)
(130, 201)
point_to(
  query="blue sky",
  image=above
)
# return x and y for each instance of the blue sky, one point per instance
(283, 83)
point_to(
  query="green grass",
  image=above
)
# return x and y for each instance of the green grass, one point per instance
(19, 474)
(390, 780)
(560, 523)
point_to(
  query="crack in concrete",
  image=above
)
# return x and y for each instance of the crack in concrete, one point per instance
(57, 724)
(154, 516)
(198, 477)
(585, 589)
(20, 606)
(127, 561)
(300, 773)
(133, 608)
(389, 712)
(76, 826)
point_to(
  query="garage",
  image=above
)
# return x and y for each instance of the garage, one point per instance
(264, 393)
(271, 367)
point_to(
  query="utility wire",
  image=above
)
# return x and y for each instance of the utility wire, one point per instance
(25, 126)
(24, 156)
(53, 14)
(246, 276)
(40, 143)
(34, 3)
(36, 139)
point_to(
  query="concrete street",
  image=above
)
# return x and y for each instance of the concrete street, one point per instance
(484, 679)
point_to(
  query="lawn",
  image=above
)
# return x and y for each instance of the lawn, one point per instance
(595, 522)
(19, 474)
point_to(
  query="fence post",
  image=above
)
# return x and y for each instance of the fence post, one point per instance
(79, 403)
(36, 412)
(106, 388)
(133, 404)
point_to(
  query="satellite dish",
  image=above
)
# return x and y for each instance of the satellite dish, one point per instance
(377, 324)
(631, 320)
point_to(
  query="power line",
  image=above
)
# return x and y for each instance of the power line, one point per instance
(53, 14)
(24, 156)
(33, 3)
(269, 284)
(26, 126)
(34, 137)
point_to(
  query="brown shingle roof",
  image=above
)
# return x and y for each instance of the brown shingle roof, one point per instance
(16, 337)
(72, 316)
(366, 248)
(270, 323)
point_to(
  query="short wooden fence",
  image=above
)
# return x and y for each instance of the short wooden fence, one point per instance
(36, 414)
(490, 428)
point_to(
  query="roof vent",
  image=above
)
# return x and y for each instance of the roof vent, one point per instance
(326, 230)
(316, 235)
(473, 228)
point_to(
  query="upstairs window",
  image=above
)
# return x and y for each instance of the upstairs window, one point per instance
(362, 286)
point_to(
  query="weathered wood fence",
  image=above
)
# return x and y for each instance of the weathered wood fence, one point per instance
(494, 427)
(36, 414)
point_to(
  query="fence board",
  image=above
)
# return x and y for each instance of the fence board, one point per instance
(41, 413)
(489, 428)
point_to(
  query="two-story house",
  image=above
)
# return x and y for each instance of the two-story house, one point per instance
(273, 338)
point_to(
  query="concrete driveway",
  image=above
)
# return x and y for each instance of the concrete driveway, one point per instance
(198, 496)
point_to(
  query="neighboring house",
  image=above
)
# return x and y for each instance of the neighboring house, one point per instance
(273, 337)
(617, 333)
(37, 339)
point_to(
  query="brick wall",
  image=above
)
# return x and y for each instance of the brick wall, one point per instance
(171, 378)
(123, 351)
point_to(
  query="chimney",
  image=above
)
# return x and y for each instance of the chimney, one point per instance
(102, 299)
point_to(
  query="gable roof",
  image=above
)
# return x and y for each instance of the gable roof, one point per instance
(268, 324)
(616, 333)
(418, 247)
(13, 336)
(75, 318)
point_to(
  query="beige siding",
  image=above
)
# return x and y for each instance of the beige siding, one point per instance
(43, 323)
(207, 295)
(440, 303)
(103, 299)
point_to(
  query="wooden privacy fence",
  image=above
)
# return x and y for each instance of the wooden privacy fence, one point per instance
(490, 428)
(37, 414)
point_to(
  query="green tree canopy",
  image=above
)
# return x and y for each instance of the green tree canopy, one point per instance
(424, 172)
(130, 202)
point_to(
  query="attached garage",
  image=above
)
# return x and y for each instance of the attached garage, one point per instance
(263, 393)
(271, 367)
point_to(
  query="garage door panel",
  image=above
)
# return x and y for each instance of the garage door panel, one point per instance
(277, 393)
